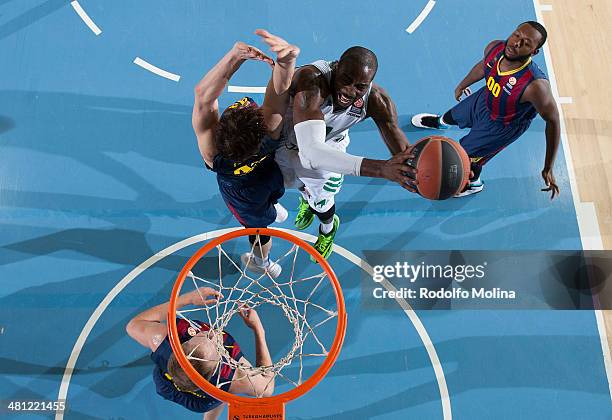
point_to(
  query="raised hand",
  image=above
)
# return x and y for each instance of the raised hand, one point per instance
(248, 52)
(285, 52)
(250, 317)
(203, 296)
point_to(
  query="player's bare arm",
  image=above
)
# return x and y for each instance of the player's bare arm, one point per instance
(276, 99)
(149, 329)
(539, 94)
(205, 114)
(474, 75)
(262, 384)
(383, 111)
(309, 91)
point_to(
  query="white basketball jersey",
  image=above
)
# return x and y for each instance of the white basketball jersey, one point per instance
(337, 122)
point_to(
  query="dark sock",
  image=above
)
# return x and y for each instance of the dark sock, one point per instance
(448, 119)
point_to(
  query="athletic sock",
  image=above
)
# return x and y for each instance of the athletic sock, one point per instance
(262, 262)
(327, 227)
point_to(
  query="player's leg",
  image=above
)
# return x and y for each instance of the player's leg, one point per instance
(461, 114)
(305, 214)
(319, 195)
(267, 193)
(258, 259)
(485, 141)
(255, 206)
(330, 222)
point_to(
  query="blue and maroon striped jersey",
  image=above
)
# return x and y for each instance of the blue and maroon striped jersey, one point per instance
(505, 89)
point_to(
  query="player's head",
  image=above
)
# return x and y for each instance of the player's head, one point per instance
(355, 71)
(240, 130)
(203, 356)
(525, 41)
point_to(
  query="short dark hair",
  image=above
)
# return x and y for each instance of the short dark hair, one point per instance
(239, 133)
(540, 28)
(360, 55)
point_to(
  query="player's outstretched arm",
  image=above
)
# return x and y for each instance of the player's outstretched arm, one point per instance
(474, 75)
(263, 383)
(276, 99)
(539, 94)
(148, 328)
(205, 114)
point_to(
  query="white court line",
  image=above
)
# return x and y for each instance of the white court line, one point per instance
(421, 17)
(588, 225)
(246, 89)
(97, 313)
(565, 100)
(546, 8)
(85, 17)
(153, 69)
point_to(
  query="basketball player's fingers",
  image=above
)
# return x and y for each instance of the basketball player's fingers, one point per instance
(554, 189)
(273, 41)
(289, 51)
(267, 36)
(256, 53)
(403, 156)
(406, 169)
(209, 291)
(408, 185)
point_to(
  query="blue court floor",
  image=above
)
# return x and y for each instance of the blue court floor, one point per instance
(99, 171)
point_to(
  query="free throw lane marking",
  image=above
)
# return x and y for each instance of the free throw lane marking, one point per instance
(123, 283)
(85, 17)
(154, 69)
(421, 17)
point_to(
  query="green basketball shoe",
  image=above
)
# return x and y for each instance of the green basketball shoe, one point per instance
(305, 215)
(325, 243)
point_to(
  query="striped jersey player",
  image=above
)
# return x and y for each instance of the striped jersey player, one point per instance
(515, 91)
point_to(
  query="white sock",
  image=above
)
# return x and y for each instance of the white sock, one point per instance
(281, 213)
(262, 262)
(327, 227)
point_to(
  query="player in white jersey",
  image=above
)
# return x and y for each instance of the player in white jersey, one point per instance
(327, 99)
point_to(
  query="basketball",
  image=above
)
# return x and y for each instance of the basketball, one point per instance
(443, 167)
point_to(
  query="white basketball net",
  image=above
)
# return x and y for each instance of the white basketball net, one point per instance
(255, 291)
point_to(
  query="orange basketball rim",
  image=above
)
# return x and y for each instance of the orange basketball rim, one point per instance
(247, 408)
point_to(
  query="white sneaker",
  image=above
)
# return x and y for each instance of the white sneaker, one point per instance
(430, 121)
(281, 213)
(272, 268)
(473, 187)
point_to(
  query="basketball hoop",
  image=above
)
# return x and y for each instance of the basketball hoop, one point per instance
(285, 293)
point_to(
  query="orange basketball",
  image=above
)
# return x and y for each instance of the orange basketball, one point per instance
(443, 167)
